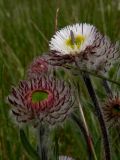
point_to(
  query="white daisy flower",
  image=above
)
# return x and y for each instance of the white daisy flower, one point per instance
(73, 39)
(84, 45)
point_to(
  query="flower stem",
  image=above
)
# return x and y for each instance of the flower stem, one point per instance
(87, 132)
(88, 139)
(107, 88)
(99, 115)
(41, 143)
(83, 125)
(76, 69)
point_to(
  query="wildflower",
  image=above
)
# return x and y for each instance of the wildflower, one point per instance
(111, 111)
(73, 39)
(41, 99)
(38, 67)
(84, 45)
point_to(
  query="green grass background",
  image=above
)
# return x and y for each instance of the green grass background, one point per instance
(26, 26)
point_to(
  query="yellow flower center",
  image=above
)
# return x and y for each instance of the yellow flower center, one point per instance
(78, 40)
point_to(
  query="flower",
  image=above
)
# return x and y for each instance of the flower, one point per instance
(84, 45)
(111, 111)
(38, 67)
(65, 158)
(73, 39)
(41, 99)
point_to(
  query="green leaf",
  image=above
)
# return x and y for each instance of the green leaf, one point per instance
(31, 152)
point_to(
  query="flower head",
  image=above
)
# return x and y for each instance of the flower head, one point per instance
(42, 99)
(73, 39)
(84, 45)
(38, 67)
(111, 111)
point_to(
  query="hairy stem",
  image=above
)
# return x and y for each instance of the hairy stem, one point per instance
(99, 115)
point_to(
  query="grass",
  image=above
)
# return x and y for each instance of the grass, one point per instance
(26, 26)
